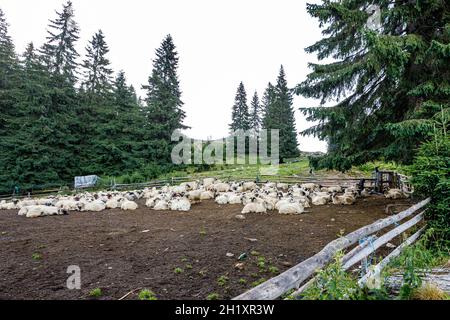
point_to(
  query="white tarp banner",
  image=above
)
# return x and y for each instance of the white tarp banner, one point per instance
(85, 182)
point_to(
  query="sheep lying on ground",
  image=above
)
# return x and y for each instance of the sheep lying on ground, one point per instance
(395, 194)
(207, 195)
(345, 199)
(128, 205)
(95, 206)
(291, 208)
(180, 204)
(255, 207)
(161, 205)
(40, 211)
(222, 199)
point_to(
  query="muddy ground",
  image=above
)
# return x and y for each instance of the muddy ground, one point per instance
(120, 251)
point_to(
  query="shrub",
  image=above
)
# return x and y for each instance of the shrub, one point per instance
(430, 173)
(333, 283)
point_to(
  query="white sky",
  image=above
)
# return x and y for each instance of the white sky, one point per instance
(220, 43)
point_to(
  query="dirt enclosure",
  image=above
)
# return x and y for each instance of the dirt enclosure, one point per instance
(121, 251)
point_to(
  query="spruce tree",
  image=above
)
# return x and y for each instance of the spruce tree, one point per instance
(65, 122)
(59, 50)
(164, 113)
(266, 104)
(389, 80)
(240, 116)
(279, 114)
(9, 81)
(255, 114)
(97, 66)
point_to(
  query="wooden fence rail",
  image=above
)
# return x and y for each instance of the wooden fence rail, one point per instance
(294, 277)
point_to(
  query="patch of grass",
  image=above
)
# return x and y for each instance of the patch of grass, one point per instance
(242, 281)
(258, 282)
(273, 269)
(184, 260)
(178, 270)
(254, 275)
(36, 256)
(255, 253)
(95, 293)
(261, 263)
(147, 295)
(213, 296)
(188, 266)
(429, 291)
(222, 280)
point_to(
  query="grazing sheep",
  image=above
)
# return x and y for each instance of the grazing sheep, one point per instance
(291, 208)
(255, 207)
(129, 205)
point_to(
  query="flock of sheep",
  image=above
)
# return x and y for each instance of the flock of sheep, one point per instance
(285, 198)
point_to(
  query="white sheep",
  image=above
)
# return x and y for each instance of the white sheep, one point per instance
(221, 187)
(395, 194)
(180, 204)
(129, 205)
(207, 195)
(208, 182)
(345, 199)
(194, 196)
(309, 186)
(320, 199)
(248, 186)
(222, 199)
(95, 206)
(256, 207)
(291, 208)
(161, 205)
(113, 203)
(234, 199)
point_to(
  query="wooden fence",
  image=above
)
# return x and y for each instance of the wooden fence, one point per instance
(368, 243)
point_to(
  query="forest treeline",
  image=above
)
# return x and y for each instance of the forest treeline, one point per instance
(65, 115)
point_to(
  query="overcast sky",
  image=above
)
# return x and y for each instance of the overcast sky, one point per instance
(220, 43)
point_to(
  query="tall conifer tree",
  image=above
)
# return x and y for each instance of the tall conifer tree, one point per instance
(390, 77)
(240, 116)
(164, 111)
